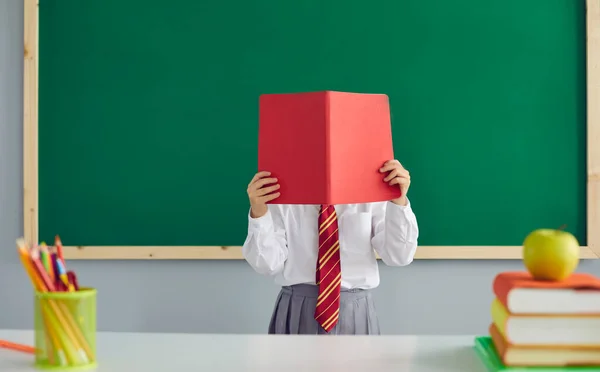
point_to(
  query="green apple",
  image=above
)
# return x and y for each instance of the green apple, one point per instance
(550, 254)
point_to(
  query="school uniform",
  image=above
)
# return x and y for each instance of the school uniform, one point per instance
(324, 259)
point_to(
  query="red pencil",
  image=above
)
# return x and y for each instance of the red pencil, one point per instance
(59, 251)
(43, 274)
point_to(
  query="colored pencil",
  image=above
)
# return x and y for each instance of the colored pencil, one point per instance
(24, 256)
(59, 250)
(47, 260)
(41, 271)
(58, 283)
(62, 274)
(17, 347)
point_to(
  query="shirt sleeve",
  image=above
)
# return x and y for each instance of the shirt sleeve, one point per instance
(395, 233)
(265, 248)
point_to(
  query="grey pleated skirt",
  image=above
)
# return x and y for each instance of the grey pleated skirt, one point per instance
(295, 310)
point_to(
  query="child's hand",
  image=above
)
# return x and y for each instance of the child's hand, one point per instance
(259, 193)
(397, 175)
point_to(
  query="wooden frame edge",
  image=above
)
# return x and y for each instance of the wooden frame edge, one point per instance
(30, 120)
(30, 171)
(593, 125)
(235, 253)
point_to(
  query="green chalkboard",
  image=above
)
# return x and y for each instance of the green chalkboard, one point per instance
(148, 110)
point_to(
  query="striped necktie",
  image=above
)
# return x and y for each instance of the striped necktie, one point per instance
(329, 270)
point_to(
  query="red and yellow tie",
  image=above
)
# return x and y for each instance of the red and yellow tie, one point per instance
(329, 270)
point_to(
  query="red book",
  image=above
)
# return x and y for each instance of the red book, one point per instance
(520, 293)
(326, 147)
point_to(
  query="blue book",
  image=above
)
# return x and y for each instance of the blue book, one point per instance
(484, 347)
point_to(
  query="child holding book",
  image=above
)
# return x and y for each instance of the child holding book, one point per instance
(324, 256)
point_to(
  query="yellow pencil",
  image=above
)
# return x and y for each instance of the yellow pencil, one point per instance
(71, 350)
(24, 256)
(54, 339)
(50, 353)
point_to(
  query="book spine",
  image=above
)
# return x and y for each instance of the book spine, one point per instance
(501, 289)
(500, 318)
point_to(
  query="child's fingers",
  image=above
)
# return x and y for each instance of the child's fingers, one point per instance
(391, 175)
(263, 182)
(268, 198)
(266, 190)
(258, 176)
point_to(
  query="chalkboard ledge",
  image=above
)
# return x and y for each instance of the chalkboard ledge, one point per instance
(235, 253)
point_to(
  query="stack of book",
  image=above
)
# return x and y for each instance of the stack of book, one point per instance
(543, 323)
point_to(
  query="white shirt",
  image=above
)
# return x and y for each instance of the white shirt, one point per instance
(284, 242)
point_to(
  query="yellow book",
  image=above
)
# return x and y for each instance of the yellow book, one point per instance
(547, 330)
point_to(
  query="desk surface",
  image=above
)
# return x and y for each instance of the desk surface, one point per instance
(149, 352)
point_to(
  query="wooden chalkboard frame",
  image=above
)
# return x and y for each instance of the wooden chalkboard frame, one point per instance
(30, 171)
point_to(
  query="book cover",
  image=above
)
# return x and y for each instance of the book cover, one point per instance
(326, 147)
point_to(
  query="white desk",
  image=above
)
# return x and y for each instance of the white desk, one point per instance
(150, 352)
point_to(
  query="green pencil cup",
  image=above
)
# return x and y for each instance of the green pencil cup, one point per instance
(65, 330)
